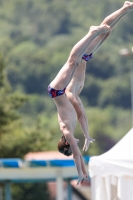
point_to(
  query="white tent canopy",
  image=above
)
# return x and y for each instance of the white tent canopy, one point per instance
(112, 172)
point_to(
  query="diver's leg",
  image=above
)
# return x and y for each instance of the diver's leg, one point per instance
(111, 20)
(115, 17)
(65, 74)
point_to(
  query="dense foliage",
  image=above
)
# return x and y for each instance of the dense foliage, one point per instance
(35, 40)
(30, 191)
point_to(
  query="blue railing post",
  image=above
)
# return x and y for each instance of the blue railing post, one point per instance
(69, 190)
(7, 190)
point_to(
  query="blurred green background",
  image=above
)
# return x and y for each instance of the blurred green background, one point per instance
(36, 37)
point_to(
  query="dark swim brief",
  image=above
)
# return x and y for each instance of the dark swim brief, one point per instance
(55, 93)
(87, 57)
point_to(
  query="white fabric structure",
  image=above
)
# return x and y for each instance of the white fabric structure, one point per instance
(112, 172)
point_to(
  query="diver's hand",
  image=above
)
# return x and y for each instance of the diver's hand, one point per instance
(82, 179)
(88, 140)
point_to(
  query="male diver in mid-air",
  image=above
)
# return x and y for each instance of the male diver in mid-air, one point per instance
(68, 83)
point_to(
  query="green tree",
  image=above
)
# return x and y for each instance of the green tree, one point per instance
(30, 191)
(9, 116)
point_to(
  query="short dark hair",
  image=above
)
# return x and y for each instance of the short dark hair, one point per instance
(63, 147)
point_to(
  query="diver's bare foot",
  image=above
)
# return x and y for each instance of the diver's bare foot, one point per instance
(128, 5)
(100, 29)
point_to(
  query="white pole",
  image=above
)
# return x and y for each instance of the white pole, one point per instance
(59, 186)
